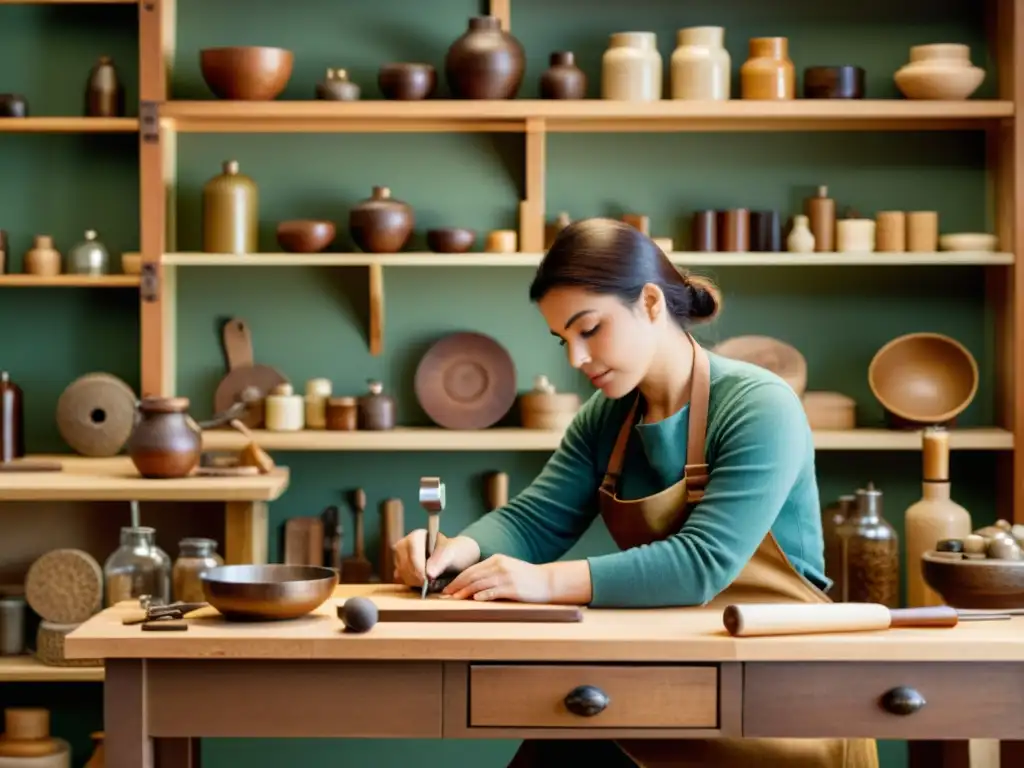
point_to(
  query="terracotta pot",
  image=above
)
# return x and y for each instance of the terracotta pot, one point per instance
(563, 79)
(165, 442)
(381, 224)
(485, 62)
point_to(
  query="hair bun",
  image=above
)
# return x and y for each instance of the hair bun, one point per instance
(705, 300)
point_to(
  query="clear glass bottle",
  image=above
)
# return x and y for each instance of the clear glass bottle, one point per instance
(833, 516)
(870, 553)
(195, 557)
(138, 567)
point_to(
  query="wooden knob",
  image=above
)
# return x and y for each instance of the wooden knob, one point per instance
(586, 701)
(903, 701)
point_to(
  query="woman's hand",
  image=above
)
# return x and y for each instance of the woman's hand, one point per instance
(455, 554)
(503, 578)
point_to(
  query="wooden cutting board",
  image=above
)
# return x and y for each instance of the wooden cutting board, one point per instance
(244, 372)
(395, 603)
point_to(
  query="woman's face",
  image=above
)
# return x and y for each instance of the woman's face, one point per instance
(612, 343)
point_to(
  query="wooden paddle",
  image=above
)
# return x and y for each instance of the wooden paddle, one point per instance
(242, 373)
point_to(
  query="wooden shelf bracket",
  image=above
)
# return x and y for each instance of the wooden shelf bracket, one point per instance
(532, 208)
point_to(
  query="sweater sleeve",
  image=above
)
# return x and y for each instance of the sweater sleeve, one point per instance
(543, 522)
(761, 448)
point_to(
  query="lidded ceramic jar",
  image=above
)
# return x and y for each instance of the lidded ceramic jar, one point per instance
(700, 68)
(89, 257)
(631, 67)
(376, 409)
(381, 224)
(337, 87)
(563, 79)
(42, 258)
(485, 62)
(230, 212)
(165, 441)
(939, 71)
(768, 73)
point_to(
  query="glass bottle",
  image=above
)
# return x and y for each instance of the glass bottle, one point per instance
(832, 517)
(138, 567)
(195, 557)
(870, 553)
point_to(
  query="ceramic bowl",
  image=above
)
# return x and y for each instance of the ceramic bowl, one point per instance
(131, 263)
(246, 72)
(940, 71)
(780, 358)
(305, 235)
(968, 241)
(988, 584)
(407, 81)
(450, 239)
(923, 378)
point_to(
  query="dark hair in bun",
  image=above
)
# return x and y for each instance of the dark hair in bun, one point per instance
(608, 256)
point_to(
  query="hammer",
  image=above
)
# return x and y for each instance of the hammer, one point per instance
(432, 500)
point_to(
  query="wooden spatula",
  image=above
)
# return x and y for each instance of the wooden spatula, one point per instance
(357, 569)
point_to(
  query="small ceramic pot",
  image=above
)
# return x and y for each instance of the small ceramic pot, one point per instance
(407, 81)
(768, 73)
(165, 442)
(450, 239)
(42, 258)
(485, 62)
(939, 71)
(13, 105)
(381, 224)
(563, 79)
(845, 82)
(337, 87)
(305, 235)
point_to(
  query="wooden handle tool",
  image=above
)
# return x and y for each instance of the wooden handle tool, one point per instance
(766, 619)
(432, 500)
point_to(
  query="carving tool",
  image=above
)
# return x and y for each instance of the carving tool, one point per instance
(357, 569)
(432, 500)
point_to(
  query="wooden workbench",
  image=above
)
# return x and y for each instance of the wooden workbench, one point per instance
(116, 479)
(671, 673)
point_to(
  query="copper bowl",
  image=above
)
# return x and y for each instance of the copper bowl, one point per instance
(450, 239)
(407, 81)
(267, 592)
(987, 584)
(305, 235)
(923, 378)
(246, 72)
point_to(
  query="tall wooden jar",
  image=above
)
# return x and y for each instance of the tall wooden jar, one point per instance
(230, 212)
(700, 65)
(768, 73)
(631, 68)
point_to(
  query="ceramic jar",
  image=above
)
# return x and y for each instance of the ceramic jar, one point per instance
(42, 258)
(89, 257)
(855, 235)
(376, 409)
(486, 62)
(563, 79)
(104, 93)
(939, 71)
(165, 441)
(337, 87)
(700, 68)
(800, 239)
(631, 67)
(381, 224)
(768, 74)
(230, 212)
(195, 557)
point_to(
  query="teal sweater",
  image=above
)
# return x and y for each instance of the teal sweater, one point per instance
(761, 452)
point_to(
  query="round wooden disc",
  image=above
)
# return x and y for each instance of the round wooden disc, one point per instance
(466, 381)
(782, 359)
(95, 414)
(263, 378)
(65, 586)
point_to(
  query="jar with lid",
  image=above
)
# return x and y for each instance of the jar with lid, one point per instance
(138, 567)
(89, 257)
(195, 557)
(870, 549)
(376, 410)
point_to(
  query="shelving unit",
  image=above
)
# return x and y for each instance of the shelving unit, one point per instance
(69, 125)
(69, 281)
(26, 669)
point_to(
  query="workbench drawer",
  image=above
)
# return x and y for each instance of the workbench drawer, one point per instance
(592, 696)
(887, 700)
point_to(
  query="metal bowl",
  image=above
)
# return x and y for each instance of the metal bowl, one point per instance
(268, 592)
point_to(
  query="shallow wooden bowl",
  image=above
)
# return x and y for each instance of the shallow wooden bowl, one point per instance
(968, 241)
(782, 359)
(246, 72)
(924, 378)
(987, 584)
(305, 235)
(267, 592)
(450, 239)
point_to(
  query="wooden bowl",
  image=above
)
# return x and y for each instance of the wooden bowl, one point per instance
(968, 241)
(782, 359)
(987, 584)
(305, 235)
(407, 81)
(924, 378)
(450, 239)
(246, 72)
(267, 592)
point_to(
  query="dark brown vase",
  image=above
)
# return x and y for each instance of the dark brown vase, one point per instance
(381, 224)
(485, 63)
(165, 442)
(563, 79)
(104, 94)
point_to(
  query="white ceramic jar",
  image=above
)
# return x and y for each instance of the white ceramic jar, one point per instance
(631, 68)
(701, 66)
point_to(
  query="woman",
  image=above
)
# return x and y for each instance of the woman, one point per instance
(701, 467)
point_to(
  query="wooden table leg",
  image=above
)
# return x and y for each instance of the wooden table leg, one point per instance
(125, 717)
(246, 533)
(938, 754)
(1011, 753)
(177, 753)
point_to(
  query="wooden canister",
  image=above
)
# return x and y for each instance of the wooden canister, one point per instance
(830, 410)
(705, 231)
(855, 235)
(890, 231)
(821, 217)
(765, 232)
(501, 241)
(544, 408)
(284, 411)
(342, 414)
(922, 231)
(317, 393)
(734, 230)
(230, 215)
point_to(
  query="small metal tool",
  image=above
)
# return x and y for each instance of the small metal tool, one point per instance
(432, 500)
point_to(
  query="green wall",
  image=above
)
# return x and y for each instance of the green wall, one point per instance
(311, 322)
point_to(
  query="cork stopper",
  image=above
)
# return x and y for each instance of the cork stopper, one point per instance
(823, 191)
(90, 234)
(283, 390)
(230, 167)
(24, 723)
(935, 455)
(381, 193)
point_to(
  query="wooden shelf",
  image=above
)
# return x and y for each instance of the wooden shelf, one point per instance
(69, 2)
(28, 669)
(69, 281)
(949, 258)
(513, 439)
(69, 124)
(587, 115)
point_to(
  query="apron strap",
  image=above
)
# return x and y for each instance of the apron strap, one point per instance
(611, 474)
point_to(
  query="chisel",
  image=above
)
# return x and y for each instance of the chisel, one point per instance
(432, 500)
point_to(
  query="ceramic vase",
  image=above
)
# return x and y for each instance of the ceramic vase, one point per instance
(768, 73)
(42, 258)
(486, 62)
(800, 239)
(939, 71)
(104, 93)
(700, 65)
(631, 68)
(381, 224)
(563, 79)
(336, 86)
(230, 217)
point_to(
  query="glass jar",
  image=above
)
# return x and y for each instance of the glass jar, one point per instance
(195, 557)
(138, 567)
(832, 517)
(870, 553)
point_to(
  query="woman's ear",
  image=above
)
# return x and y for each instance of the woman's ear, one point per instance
(653, 301)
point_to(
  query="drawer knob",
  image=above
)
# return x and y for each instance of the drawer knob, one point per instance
(586, 701)
(903, 700)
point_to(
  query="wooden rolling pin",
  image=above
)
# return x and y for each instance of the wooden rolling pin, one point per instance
(764, 619)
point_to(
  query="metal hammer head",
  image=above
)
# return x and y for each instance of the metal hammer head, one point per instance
(432, 494)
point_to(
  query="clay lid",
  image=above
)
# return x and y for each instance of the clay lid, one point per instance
(24, 723)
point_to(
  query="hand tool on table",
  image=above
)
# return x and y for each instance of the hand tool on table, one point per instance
(243, 372)
(432, 500)
(162, 617)
(767, 619)
(357, 569)
(360, 613)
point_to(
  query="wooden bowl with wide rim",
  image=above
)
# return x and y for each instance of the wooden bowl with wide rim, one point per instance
(246, 72)
(984, 584)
